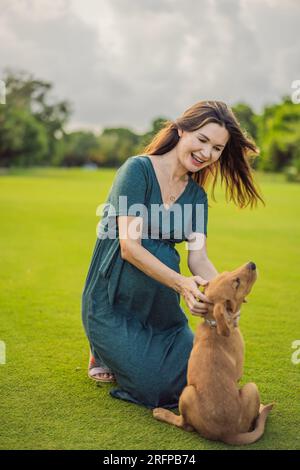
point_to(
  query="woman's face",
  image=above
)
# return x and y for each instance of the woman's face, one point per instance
(205, 144)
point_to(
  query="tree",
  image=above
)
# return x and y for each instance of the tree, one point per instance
(279, 136)
(79, 148)
(246, 117)
(156, 126)
(26, 96)
(116, 145)
(23, 140)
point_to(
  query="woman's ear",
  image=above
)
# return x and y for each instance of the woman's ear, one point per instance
(220, 315)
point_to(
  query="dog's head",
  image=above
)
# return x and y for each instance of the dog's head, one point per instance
(227, 292)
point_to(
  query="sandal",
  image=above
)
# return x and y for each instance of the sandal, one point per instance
(94, 371)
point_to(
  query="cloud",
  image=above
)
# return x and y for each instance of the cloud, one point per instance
(124, 62)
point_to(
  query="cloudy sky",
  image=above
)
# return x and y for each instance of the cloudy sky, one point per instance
(125, 62)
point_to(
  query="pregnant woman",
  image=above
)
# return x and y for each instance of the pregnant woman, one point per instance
(138, 333)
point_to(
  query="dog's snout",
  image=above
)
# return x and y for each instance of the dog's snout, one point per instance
(251, 265)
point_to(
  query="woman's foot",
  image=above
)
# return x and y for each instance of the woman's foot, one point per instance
(99, 374)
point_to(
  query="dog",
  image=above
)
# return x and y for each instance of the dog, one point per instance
(212, 403)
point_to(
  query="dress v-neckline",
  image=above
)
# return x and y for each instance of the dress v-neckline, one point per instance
(158, 185)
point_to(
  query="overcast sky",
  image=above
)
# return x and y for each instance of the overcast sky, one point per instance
(125, 62)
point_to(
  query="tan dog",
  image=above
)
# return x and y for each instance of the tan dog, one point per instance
(211, 403)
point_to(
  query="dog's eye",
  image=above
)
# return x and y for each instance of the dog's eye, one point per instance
(237, 282)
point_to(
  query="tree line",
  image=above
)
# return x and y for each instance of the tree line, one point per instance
(33, 132)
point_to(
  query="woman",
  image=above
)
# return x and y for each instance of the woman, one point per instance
(138, 332)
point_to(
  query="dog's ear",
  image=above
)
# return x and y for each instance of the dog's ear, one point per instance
(232, 305)
(220, 315)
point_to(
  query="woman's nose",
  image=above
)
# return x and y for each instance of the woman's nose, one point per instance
(206, 153)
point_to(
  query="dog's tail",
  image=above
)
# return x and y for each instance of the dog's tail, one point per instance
(253, 436)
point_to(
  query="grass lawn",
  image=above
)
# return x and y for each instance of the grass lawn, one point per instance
(48, 230)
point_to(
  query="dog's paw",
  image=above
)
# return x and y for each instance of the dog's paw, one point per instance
(158, 413)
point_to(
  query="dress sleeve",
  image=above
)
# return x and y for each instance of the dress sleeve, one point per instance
(129, 188)
(200, 213)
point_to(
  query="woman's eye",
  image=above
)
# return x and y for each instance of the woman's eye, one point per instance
(202, 140)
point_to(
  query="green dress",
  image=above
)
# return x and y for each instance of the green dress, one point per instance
(135, 325)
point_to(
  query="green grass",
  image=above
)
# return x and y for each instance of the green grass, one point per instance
(48, 229)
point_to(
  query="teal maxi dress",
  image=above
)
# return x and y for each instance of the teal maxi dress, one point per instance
(135, 324)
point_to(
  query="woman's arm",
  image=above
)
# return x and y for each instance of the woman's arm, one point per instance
(198, 261)
(203, 267)
(133, 252)
(130, 228)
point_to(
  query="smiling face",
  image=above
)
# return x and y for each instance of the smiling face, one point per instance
(205, 145)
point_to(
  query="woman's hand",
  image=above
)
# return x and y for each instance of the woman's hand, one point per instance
(195, 300)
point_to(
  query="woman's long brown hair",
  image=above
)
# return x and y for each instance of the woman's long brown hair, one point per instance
(234, 163)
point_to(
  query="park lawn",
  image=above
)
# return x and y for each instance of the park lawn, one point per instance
(48, 230)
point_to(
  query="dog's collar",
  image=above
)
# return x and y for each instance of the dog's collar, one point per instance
(213, 323)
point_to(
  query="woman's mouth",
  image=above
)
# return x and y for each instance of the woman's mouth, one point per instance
(196, 160)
